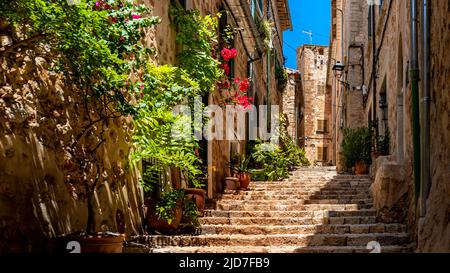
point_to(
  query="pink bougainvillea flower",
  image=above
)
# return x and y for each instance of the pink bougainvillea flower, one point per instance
(244, 85)
(243, 101)
(225, 54)
(135, 16)
(228, 53)
(237, 80)
(98, 3)
(113, 20)
(142, 86)
(142, 95)
(233, 53)
(106, 6)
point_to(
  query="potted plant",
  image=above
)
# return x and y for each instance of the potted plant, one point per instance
(196, 194)
(242, 171)
(166, 212)
(382, 145)
(356, 149)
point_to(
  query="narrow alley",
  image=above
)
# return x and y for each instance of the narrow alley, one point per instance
(224, 126)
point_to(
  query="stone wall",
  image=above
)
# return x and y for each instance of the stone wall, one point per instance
(312, 64)
(41, 189)
(434, 234)
(291, 104)
(430, 231)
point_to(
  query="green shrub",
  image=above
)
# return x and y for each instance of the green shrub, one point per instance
(272, 160)
(356, 146)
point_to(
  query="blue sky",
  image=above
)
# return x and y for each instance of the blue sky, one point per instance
(307, 15)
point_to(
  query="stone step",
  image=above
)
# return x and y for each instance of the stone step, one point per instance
(303, 229)
(303, 188)
(290, 214)
(274, 197)
(286, 221)
(290, 207)
(319, 177)
(281, 191)
(299, 240)
(292, 202)
(280, 249)
(315, 182)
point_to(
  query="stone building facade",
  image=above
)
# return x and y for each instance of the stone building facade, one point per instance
(254, 61)
(292, 102)
(316, 105)
(404, 189)
(347, 47)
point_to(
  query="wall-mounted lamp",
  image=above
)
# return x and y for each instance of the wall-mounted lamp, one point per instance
(338, 68)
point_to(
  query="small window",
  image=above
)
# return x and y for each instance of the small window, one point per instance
(322, 126)
(321, 51)
(322, 154)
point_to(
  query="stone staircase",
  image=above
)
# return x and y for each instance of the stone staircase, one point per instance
(314, 211)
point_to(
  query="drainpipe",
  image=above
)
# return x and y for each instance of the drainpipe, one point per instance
(414, 78)
(374, 69)
(268, 87)
(425, 132)
(342, 58)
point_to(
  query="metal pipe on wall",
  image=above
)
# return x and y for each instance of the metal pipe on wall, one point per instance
(374, 68)
(425, 132)
(414, 78)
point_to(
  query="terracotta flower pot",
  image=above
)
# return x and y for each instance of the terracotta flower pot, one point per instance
(361, 168)
(155, 222)
(376, 155)
(198, 197)
(88, 244)
(101, 244)
(244, 180)
(230, 183)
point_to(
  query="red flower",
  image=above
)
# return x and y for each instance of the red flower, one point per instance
(135, 16)
(237, 80)
(226, 68)
(106, 6)
(142, 95)
(244, 101)
(244, 85)
(233, 52)
(142, 86)
(228, 53)
(113, 20)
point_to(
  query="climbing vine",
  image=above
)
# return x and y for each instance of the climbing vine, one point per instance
(94, 46)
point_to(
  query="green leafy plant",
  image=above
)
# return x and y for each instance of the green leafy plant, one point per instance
(198, 36)
(241, 164)
(296, 156)
(265, 29)
(191, 213)
(272, 161)
(168, 203)
(282, 77)
(356, 146)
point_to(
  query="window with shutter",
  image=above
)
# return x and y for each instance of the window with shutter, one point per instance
(322, 126)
